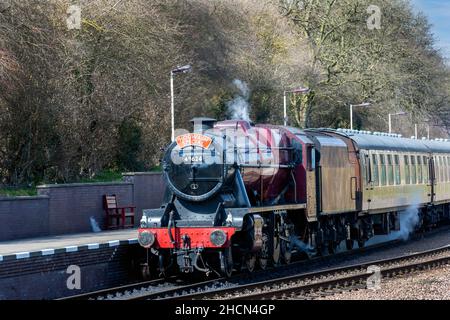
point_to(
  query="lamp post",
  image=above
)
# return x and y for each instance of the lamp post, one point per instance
(296, 90)
(365, 104)
(390, 118)
(428, 121)
(183, 69)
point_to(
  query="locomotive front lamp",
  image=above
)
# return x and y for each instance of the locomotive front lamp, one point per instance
(146, 239)
(183, 69)
(218, 237)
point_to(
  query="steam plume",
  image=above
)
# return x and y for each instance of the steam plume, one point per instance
(408, 222)
(239, 107)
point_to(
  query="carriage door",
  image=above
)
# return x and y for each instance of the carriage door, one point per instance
(431, 179)
(368, 181)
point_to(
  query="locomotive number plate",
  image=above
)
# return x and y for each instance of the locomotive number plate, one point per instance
(193, 159)
(194, 139)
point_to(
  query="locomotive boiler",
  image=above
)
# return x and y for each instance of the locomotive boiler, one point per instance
(241, 195)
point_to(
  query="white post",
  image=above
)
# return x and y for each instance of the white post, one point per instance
(415, 130)
(351, 117)
(172, 106)
(428, 132)
(285, 108)
(390, 126)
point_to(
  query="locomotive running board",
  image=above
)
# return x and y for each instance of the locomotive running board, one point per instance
(280, 207)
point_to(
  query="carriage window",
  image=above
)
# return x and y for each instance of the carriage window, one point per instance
(311, 158)
(390, 170)
(375, 169)
(436, 168)
(448, 168)
(444, 169)
(413, 170)
(367, 171)
(425, 169)
(419, 169)
(383, 170)
(447, 177)
(397, 170)
(407, 174)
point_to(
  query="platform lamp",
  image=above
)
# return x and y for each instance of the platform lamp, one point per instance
(183, 69)
(365, 104)
(401, 113)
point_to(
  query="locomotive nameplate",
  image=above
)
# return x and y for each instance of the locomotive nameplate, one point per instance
(193, 139)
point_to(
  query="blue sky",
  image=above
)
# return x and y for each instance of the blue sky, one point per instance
(438, 12)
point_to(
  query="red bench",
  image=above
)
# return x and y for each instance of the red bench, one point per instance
(117, 217)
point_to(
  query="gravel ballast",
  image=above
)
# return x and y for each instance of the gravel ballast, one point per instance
(425, 285)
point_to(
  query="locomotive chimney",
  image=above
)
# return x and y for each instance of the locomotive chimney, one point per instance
(202, 124)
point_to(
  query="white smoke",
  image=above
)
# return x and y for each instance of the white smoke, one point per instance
(408, 222)
(239, 107)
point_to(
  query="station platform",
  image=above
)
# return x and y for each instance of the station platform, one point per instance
(40, 268)
(44, 246)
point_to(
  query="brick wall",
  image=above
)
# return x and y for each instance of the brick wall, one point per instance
(72, 205)
(148, 190)
(23, 217)
(67, 208)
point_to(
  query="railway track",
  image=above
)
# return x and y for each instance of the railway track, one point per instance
(169, 287)
(122, 291)
(331, 281)
(172, 288)
(261, 275)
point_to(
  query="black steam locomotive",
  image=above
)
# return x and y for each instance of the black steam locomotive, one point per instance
(240, 195)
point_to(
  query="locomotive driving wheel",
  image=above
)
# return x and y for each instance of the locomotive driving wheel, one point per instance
(332, 246)
(250, 261)
(276, 254)
(286, 251)
(226, 262)
(264, 254)
(349, 244)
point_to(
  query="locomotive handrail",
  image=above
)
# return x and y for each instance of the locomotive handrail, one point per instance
(204, 179)
(279, 166)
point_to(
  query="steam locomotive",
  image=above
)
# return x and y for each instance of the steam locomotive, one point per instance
(241, 195)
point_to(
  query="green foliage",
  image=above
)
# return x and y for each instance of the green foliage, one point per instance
(129, 146)
(217, 104)
(17, 192)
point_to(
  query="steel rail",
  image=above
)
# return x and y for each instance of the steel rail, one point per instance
(325, 279)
